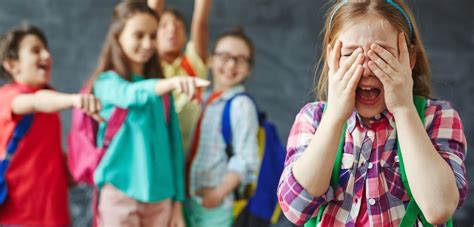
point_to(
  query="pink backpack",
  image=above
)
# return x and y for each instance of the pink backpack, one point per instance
(83, 154)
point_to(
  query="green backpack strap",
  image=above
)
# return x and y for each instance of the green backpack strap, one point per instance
(334, 176)
(413, 211)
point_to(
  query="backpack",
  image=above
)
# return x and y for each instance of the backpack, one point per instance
(83, 154)
(19, 133)
(258, 204)
(412, 211)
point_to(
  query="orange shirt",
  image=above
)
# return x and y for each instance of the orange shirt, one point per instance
(36, 176)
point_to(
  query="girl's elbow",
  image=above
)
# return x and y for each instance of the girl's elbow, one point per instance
(440, 214)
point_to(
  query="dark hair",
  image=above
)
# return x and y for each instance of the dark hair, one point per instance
(237, 32)
(10, 44)
(112, 56)
(177, 14)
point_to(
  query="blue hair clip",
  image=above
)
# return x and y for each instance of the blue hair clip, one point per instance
(391, 2)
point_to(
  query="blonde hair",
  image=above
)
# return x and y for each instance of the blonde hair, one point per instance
(344, 12)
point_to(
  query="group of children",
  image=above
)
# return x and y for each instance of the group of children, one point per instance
(169, 155)
(141, 177)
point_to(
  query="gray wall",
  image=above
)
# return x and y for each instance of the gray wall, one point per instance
(286, 35)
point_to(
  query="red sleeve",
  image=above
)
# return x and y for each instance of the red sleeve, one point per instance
(8, 93)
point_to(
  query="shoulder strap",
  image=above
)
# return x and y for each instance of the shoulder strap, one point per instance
(226, 127)
(413, 211)
(20, 131)
(187, 66)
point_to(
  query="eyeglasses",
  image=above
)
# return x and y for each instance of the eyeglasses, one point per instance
(224, 57)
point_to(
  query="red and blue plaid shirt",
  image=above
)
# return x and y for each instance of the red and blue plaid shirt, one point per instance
(369, 162)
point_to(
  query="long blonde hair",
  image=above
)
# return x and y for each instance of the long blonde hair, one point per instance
(355, 10)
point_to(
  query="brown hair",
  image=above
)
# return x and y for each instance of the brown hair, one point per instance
(112, 56)
(355, 10)
(237, 32)
(10, 44)
(177, 14)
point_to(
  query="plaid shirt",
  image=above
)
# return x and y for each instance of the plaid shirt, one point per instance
(370, 160)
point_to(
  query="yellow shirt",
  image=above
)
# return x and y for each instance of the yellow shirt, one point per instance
(188, 112)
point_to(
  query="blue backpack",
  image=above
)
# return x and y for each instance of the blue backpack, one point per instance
(258, 205)
(20, 131)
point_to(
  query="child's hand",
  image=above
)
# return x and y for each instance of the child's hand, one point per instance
(342, 81)
(211, 197)
(177, 219)
(188, 85)
(90, 105)
(395, 73)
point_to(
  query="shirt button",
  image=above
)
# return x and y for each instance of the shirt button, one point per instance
(370, 165)
(377, 117)
(371, 134)
(397, 159)
(372, 202)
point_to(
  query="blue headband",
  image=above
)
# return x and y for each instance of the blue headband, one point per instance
(391, 2)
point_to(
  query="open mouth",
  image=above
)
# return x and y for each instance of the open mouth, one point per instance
(44, 67)
(367, 95)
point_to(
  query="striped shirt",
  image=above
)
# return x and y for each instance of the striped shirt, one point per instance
(369, 161)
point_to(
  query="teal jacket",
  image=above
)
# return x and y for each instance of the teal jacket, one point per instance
(145, 158)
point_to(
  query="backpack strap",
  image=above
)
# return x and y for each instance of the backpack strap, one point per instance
(226, 127)
(113, 125)
(19, 133)
(190, 71)
(413, 211)
(187, 66)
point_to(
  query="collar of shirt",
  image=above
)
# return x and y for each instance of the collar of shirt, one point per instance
(227, 94)
(356, 119)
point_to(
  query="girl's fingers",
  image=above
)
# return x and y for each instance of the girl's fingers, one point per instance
(334, 54)
(381, 64)
(192, 88)
(350, 72)
(355, 78)
(199, 82)
(385, 55)
(349, 62)
(97, 117)
(404, 55)
(91, 100)
(381, 75)
(98, 105)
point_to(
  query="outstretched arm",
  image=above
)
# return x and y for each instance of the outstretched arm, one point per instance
(49, 101)
(200, 27)
(157, 5)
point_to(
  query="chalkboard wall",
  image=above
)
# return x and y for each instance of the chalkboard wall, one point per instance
(286, 36)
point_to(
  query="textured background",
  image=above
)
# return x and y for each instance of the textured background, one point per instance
(286, 35)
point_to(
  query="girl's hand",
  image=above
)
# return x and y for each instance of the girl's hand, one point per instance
(211, 197)
(395, 73)
(342, 81)
(177, 219)
(188, 85)
(89, 104)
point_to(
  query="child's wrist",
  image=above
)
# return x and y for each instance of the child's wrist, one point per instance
(76, 100)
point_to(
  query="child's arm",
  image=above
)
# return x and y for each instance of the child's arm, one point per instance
(157, 5)
(49, 101)
(213, 197)
(432, 181)
(200, 27)
(111, 88)
(182, 84)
